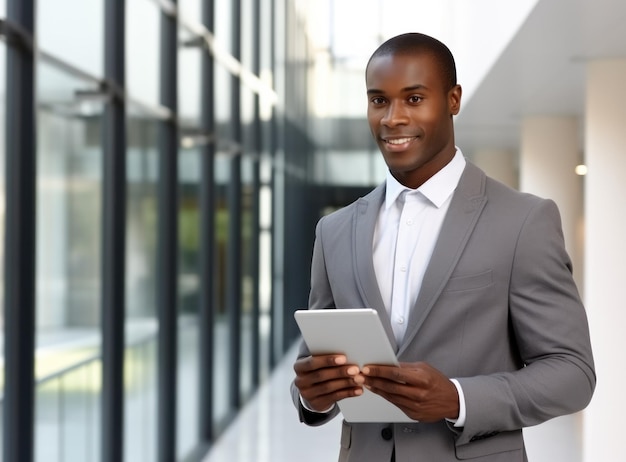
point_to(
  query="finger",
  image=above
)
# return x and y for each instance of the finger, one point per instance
(314, 362)
(323, 394)
(330, 374)
(390, 388)
(394, 373)
(323, 402)
(310, 390)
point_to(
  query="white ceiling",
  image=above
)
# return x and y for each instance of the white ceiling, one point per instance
(542, 70)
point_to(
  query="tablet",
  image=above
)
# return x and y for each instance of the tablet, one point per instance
(359, 334)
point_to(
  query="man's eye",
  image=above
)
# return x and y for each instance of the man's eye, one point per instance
(415, 99)
(378, 100)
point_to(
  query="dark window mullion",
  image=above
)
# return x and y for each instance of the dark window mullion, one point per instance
(274, 134)
(20, 239)
(256, 187)
(113, 235)
(167, 276)
(234, 220)
(207, 231)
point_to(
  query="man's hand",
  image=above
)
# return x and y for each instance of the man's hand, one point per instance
(325, 379)
(418, 389)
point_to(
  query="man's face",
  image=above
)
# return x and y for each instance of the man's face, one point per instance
(410, 115)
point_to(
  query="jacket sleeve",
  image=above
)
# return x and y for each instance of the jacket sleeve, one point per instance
(550, 328)
(319, 297)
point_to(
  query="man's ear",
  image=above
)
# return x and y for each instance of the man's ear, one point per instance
(454, 99)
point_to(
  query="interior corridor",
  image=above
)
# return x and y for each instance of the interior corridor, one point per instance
(268, 430)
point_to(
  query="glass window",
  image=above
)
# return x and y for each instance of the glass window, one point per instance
(188, 301)
(348, 168)
(224, 134)
(143, 30)
(189, 168)
(189, 72)
(265, 193)
(248, 275)
(73, 30)
(143, 20)
(140, 360)
(190, 9)
(68, 341)
(249, 283)
(265, 264)
(221, 377)
(223, 78)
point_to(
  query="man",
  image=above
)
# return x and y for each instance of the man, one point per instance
(470, 278)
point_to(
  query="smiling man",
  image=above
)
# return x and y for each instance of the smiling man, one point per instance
(412, 98)
(470, 279)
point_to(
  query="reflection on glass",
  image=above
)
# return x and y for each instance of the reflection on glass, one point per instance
(73, 30)
(188, 301)
(348, 168)
(48, 438)
(248, 195)
(69, 184)
(223, 113)
(248, 230)
(265, 262)
(190, 9)
(141, 319)
(224, 134)
(223, 78)
(221, 382)
(189, 65)
(265, 193)
(142, 50)
(189, 83)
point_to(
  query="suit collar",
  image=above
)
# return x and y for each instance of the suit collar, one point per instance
(364, 223)
(466, 206)
(436, 189)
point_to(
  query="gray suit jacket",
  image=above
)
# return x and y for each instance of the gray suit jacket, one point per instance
(498, 310)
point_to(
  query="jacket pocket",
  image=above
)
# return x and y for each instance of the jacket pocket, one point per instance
(346, 435)
(498, 443)
(469, 282)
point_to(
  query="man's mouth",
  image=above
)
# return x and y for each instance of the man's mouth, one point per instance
(398, 144)
(398, 141)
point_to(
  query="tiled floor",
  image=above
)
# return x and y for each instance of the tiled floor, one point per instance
(268, 430)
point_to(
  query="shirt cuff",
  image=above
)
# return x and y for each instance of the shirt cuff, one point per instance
(460, 421)
(308, 408)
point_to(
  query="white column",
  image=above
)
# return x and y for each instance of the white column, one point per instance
(605, 256)
(550, 150)
(500, 164)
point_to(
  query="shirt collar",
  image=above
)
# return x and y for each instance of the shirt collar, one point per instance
(436, 189)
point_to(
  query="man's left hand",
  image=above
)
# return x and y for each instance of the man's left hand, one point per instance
(422, 392)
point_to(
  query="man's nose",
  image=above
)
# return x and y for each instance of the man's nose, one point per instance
(395, 114)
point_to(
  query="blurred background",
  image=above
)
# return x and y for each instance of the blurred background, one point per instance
(163, 167)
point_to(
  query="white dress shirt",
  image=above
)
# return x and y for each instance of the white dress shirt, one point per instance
(404, 238)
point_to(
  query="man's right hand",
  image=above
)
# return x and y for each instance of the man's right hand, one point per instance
(325, 379)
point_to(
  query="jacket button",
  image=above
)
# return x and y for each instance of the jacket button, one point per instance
(386, 433)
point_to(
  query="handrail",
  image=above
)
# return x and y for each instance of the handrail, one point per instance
(67, 369)
(82, 363)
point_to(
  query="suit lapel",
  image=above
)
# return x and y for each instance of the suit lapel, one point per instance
(465, 208)
(364, 224)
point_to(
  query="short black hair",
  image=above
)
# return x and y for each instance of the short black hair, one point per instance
(415, 42)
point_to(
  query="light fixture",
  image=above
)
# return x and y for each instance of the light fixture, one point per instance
(581, 169)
